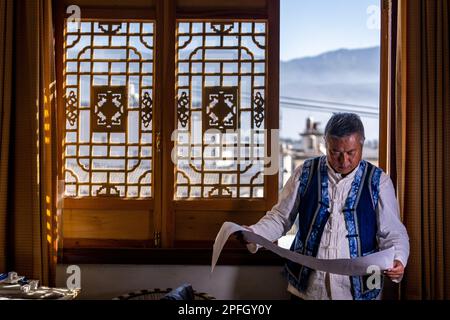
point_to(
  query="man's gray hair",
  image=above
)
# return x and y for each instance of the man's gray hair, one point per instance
(343, 124)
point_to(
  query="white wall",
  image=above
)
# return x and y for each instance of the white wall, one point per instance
(227, 282)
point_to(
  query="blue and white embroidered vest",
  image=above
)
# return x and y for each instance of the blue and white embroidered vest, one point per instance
(360, 219)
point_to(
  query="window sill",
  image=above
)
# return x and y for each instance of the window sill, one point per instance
(166, 256)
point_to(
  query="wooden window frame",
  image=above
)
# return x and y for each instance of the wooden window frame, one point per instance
(174, 211)
(384, 119)
(165, 209)
(67, 205)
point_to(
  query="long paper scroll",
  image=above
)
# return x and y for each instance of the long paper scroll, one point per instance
(351, 267)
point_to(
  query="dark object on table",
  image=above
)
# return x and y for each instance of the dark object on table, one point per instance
(183, 292)
(157, 294)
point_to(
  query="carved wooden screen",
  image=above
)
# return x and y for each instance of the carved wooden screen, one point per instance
(108, 87)
(220, 86)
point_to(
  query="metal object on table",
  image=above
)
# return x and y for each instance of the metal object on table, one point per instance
(14, 287)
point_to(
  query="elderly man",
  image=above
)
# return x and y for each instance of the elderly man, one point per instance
(346, 207)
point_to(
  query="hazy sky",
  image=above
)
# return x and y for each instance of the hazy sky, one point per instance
(311, 27)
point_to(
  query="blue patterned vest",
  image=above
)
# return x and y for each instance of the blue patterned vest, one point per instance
(312, 205)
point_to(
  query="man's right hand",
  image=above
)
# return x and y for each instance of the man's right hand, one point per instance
(240, 237)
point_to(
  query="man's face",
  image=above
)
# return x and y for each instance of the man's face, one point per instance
(345, 153)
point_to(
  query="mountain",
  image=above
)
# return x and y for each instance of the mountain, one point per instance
(345, 75)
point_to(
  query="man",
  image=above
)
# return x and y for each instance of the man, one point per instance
(346, 208)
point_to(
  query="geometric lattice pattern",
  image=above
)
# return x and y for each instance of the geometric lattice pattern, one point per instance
(219, 111)
(221, 87)
(109, 94)
(109, 104)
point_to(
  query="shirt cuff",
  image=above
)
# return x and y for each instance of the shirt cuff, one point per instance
(397, 280)
(398, 256)
(252, 247)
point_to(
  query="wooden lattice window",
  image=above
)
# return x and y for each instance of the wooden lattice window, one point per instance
(220, 85)
(165, 116)
(109, 93)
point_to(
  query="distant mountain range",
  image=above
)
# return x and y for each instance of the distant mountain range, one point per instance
(345, 75)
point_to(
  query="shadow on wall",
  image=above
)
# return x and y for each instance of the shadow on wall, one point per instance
(266, 283)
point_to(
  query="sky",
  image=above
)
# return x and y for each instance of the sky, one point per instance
(326, 25)
(312, 27)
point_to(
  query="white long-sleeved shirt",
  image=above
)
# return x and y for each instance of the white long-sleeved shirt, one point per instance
(334, 244)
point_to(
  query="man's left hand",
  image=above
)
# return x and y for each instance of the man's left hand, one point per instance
(396, 272)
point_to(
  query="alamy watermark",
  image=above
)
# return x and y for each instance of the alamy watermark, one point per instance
(74, 279)
(374, 280)
(236, 146)
(374, 20)
(74, 19)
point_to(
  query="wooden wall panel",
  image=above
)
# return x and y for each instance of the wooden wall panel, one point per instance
(102, 224)
(212, 4)
(196, 226)
(112, 3)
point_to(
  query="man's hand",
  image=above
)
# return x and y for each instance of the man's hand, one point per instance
(396, 272)
(240, 236)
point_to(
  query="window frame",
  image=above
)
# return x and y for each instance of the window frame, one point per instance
(255, 208)
(165, 14)
(385, 83)
(101, 10)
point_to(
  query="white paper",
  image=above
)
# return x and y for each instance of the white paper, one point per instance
(227, 229)
(350, 267)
